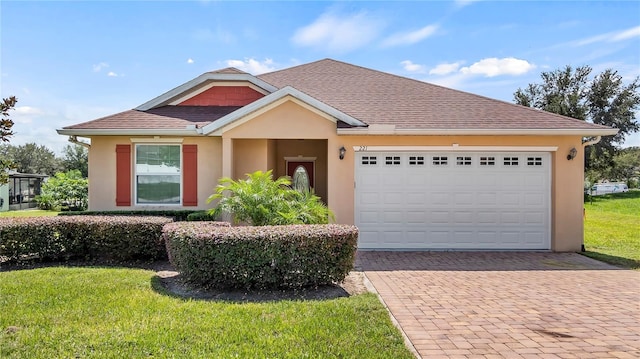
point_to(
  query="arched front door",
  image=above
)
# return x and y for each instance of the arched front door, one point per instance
(301, 171)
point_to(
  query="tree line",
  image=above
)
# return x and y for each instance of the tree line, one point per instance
(38, 159)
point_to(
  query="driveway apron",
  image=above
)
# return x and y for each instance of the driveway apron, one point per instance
(508, 304)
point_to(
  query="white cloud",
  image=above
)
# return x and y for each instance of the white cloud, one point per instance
(100, 66)
(608, 37)
(190, 61)
(252, 66)
(25, 114)
(626, 34)
(493, 66)
(445, 69)
(112, 74)
(339, 32)
(411, 37)
(411, 67)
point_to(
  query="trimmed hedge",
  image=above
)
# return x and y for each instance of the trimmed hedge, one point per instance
(113, 238)
(178, 215)
(213, 256)
(201, 216)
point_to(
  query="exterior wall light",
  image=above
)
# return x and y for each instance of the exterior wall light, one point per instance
(342, 152)
(572, 154)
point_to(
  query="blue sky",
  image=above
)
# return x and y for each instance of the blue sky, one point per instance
(70, 62)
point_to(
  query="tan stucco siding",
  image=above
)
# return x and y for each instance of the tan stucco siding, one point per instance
(102, 176)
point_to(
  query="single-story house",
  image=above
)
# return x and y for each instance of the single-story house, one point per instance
(21, 191)
(412, 164)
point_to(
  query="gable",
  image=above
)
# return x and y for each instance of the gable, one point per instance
(223, 96)
(287, 118)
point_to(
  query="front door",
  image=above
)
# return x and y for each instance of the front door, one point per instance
(302, 174)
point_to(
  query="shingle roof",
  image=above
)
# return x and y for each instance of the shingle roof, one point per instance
(370, 96)
(376, 97)
(161, 117)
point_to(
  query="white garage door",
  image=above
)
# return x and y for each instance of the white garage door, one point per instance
(453, 200)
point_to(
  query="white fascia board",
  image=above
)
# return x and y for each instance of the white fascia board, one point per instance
(129, 132)
(478, 132)
(274, 97)
(455, 148)
(169, 95)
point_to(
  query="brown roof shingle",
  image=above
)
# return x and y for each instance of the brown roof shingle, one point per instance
(164, 117)
(376, 97)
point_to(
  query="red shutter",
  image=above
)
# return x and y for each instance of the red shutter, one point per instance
(123, 175)
(189, 175)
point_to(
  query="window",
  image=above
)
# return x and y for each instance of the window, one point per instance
(534, 161)
(510, 161)
(487, 161)
(392, 160)
(463, 161)
(440, 160)
(369, 160)
(416, 160)
(157, 171)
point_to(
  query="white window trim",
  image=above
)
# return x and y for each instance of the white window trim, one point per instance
(157, 140)
(135, 174)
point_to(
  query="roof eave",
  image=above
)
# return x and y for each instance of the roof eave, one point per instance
(129, 132)
(478, 132)
(171, 94)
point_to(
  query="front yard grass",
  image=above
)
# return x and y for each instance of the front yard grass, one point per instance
(28, 213)
(88, 312)
(612, 229)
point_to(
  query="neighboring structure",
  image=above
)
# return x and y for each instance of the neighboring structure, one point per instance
(413, 165)
(21, 191)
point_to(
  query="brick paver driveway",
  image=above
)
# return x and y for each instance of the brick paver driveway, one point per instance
(508, 304)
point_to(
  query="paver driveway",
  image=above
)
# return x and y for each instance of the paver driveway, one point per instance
(509, 304)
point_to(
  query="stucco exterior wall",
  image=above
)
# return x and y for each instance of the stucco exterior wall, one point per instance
(102, 176)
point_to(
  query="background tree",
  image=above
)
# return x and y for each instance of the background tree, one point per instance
(5, 132)
(603, 100)
(76, 157)
(66, 190)
(627, 166)
(32, 158)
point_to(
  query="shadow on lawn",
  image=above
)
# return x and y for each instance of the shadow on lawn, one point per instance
(171, 284)
(613, 260)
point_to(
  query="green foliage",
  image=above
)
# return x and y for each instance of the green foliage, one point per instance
(32, 158)
(200, 216)
(76, 157)
(178, 215)
(86, 237)
(5, 132)
(294, 256)
(93, 312)
(65, 190)
(603, 100)
(260, 201)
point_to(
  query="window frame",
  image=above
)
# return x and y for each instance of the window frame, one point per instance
(180, 174)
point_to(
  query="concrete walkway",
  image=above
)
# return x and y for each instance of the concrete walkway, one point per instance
(508, 304)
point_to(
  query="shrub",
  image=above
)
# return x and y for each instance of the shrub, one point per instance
(292, 256)
(66, 190)
(201, 216)
(178, 215)
(88, 237)
(260, 201)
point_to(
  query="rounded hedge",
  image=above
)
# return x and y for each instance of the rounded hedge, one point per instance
(246, 257)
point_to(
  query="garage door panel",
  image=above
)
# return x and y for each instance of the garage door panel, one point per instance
(453, 201)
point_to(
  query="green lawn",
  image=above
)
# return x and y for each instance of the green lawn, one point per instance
(28, 213)
(62, 312)
(612, 229)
